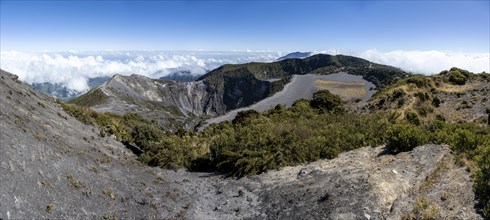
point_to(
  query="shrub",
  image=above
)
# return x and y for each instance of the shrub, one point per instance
(145, 134)
(325, 100)
(424, 110)
(464, 140)
(413, 118)
(80, 113)
(420, 81)
(456, 77)
(242, 116)
(482, 176)
(398, 93)
(422, 96)
(436, 102)
(405, 137)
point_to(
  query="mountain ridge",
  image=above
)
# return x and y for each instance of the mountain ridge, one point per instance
(221, 90)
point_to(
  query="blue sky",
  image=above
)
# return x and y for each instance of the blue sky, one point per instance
(456, 26)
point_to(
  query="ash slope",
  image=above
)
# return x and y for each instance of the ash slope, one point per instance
(52, 166)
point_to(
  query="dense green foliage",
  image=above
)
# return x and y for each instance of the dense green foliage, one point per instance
(482, 183)
(457, 76)
(405, 137)
(282, 137)
(158, 147)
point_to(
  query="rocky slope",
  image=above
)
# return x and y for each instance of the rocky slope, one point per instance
(171, 104)
(53, 166)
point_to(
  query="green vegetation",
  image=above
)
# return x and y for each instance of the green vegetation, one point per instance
(405, 137)
(282, 137)
(108, 192)
(482, 177)
(424, 209)
(73, 182)
(325, 101)
(413, 118)
(457, 76)
(91, 98)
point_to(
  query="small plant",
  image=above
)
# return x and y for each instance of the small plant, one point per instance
(40, 137)
(50, 207)
(413, 118)
(108, 192)
(159, 180)
(74, 182)
(94, 169)
(436, 102)
(424, 209)
(41, 104)
(424, 110)
(19, 122)
(445, 196)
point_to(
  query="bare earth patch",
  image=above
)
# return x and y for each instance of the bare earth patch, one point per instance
(346, 90)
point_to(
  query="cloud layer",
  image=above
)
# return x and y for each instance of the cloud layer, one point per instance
(73, 69)
(429, 62)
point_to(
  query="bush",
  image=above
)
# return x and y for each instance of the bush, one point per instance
(405, 137)
(80, 113)
(456, 77)
(482, 177)
(436, 102)
(398, 93)
(325, 100)
(464, 140)
(243, 116)
(413, 118)
(420, 81)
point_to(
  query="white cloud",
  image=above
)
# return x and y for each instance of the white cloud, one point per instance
(429, 62)
(73, 69)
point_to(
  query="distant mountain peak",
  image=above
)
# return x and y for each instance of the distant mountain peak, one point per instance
(295, 55)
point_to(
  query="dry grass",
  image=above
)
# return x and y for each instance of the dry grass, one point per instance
(343, 89)
(424, 209)
(449, 88)
(435, 177)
